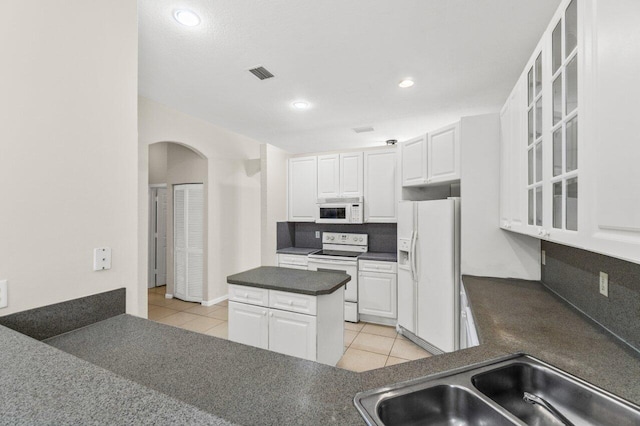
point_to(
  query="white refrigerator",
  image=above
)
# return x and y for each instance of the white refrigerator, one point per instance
(429, 273)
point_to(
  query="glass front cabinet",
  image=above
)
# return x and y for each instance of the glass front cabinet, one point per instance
(554, 140)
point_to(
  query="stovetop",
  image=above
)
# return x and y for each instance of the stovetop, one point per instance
(337, 253)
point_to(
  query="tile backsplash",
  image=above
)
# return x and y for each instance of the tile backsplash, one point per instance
(382, 236)
(574, 274)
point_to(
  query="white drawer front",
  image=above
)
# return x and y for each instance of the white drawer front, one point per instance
(377, 266)
(251, 295)
(293, 259)
(294, 302)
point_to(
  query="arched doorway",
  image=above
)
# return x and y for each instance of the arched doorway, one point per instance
(177, 221)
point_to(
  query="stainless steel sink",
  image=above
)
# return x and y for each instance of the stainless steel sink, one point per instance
(438, 405)
(492, 394)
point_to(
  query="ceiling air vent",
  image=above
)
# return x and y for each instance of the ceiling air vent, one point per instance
(261, 72)
(364, 129)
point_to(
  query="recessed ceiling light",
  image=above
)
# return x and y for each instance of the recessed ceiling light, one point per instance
(301, 105)
(406, 83)
(186, 17)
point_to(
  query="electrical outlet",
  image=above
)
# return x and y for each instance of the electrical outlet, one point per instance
(4, 298)
(544, 257)
(317, 234)
(604, 284)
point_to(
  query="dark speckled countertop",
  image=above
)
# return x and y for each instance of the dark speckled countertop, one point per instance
(302, 251)
(379, 256)
(246, 385)
(291, 280)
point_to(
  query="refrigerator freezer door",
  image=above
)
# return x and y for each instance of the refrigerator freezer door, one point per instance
(406, 219)
(406, 300)
(406, 283)
(436, 288)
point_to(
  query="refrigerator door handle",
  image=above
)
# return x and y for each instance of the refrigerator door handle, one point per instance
(412, 258)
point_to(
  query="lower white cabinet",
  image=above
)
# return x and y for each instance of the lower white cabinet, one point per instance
(250, 324)
(316, 335)
(378, 288)
(293, 261)
(292, 334)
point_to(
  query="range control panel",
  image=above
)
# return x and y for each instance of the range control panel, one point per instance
(339, 238)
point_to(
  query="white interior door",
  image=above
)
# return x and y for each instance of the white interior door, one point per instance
(157, 237)
(161, 237)
(188, 218)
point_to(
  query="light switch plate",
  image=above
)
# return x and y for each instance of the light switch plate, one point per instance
(317, 234)
(604, 284)
(544, 257)
(4, 298)
(101, 258)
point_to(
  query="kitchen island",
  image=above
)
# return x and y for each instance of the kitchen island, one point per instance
(290, 311)
(247, 385)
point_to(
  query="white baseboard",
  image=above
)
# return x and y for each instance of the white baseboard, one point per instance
(168, 296)
(215, 301)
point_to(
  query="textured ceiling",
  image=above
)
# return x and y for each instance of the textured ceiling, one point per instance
(345, 57)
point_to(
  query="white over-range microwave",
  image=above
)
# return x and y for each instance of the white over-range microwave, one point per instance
(340, 210)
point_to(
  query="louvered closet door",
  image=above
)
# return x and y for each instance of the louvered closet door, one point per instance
(188, 240)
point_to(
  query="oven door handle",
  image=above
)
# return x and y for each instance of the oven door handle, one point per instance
(333, 262)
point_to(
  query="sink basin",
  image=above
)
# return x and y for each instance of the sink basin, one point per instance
(438, 405)
(491, 394)
(579, 401)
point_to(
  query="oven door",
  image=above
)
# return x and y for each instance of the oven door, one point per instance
(334, 213)
(351, 289)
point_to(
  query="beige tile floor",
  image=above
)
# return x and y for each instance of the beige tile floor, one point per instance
(367, 346)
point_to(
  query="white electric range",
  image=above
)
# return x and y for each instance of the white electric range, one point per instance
(340, 253)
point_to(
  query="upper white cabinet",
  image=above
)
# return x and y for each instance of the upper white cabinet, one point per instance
(340, 175)
(414, 161)
(569, 140)
(381, 186)
(443, 154)
(433, 158)
(302, 186)
(513, 132)
(351, 174)
(328, 176)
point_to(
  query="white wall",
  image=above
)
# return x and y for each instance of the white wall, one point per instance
(233, 191)
(68, 155)
(487, 250)
(158, 163)
(273, 198)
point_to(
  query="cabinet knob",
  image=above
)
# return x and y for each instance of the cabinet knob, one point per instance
(265, 313)
(270, 314)
(290, 302)
(246, 295)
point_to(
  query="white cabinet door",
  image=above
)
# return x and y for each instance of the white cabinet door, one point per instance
(414, 161)
(292, 334)
(351, 174)
(513, 142)
(302, 196)
(249, 325)
(381, 188)
(443, 154)
(378, 294)
(328, 176)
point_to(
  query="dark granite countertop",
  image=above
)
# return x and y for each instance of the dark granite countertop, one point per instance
(248, 386)
(43, 385)
(303, 251)
(379, 256)
(291, 280)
